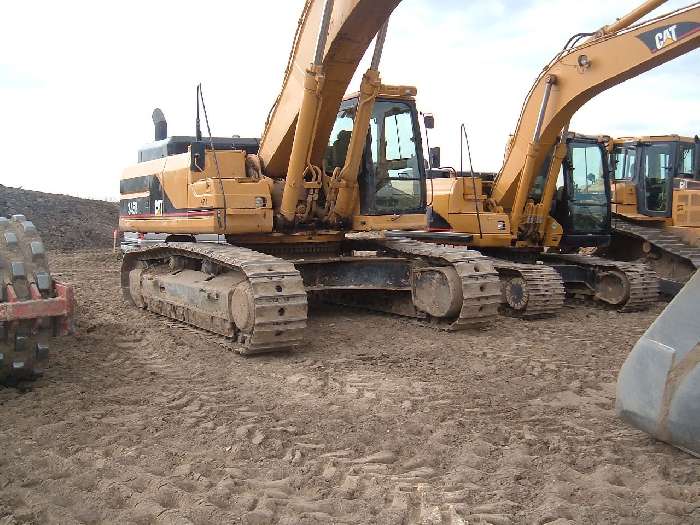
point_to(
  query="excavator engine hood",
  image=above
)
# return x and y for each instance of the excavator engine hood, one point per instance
(658, 389)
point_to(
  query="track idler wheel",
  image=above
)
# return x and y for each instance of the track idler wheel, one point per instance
(437, 291)
(612, 287)
(515, 293)
(243, 310)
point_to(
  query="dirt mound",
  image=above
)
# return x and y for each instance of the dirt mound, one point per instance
(65, 222)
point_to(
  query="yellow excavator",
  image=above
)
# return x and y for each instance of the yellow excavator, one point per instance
(552, 193)
(285, 215)
(656, 205)
(326, 167)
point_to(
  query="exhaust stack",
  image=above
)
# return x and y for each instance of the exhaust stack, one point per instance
(160, 124)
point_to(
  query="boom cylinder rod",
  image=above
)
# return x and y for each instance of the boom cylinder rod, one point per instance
(527, 175)
(323, 32)
(551, 80)
(306, 123)
(631, 17)
(341, 204)
(379, 46)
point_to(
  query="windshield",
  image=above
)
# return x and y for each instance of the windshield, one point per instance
(657, 169)
(686, 160)
(588, 194)
(339, 140)
(394, 158)
(624, 158)
(390, 178)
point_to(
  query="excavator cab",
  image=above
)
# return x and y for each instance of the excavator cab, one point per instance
(656, 167)
(582, 199)
(655, 178)
(391, 179)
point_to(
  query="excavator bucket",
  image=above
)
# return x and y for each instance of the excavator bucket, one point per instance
(658, 389)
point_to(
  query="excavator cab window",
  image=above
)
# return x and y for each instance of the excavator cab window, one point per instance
(582, 203)
(339, 141)
(588, 191)
(392, 172)
(656, 178)
(686, 160)
(623, 159)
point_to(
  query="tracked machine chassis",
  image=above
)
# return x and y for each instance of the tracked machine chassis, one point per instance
(536, 284)
(674, 259)
(629, 287)
(626, 286)
(33, 306)
(260, 301)
(454, 287)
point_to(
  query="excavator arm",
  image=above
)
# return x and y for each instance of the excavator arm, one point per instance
(573, 78)
(351, 28)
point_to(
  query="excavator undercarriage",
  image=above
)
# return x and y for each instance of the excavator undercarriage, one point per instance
(260, 300)
(675, 259)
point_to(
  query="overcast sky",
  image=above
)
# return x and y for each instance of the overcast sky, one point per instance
(79, 79)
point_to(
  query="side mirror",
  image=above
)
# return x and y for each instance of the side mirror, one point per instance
(197, 156)
(429, 121)
(434, 155)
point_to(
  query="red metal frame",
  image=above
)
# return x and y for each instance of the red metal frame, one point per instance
(62, 306)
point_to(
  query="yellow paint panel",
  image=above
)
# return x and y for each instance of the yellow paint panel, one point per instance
(686, 208)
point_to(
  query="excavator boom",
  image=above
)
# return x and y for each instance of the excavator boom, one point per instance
(573, 78)
(353, 25)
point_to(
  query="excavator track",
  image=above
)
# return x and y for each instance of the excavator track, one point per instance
(24, 276)
(255, 299)
(665, 241)
(642, 284)
(481, 289)
(530, 290)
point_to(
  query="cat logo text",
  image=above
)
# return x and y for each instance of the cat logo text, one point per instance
(666, 37)
(661, 38)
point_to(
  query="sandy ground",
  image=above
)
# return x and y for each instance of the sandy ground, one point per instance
(377, 420)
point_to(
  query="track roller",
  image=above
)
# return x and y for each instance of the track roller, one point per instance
(530, 290)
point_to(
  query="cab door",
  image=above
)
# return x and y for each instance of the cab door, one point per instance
(391, 179)
(582, 203)
(655, 178)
